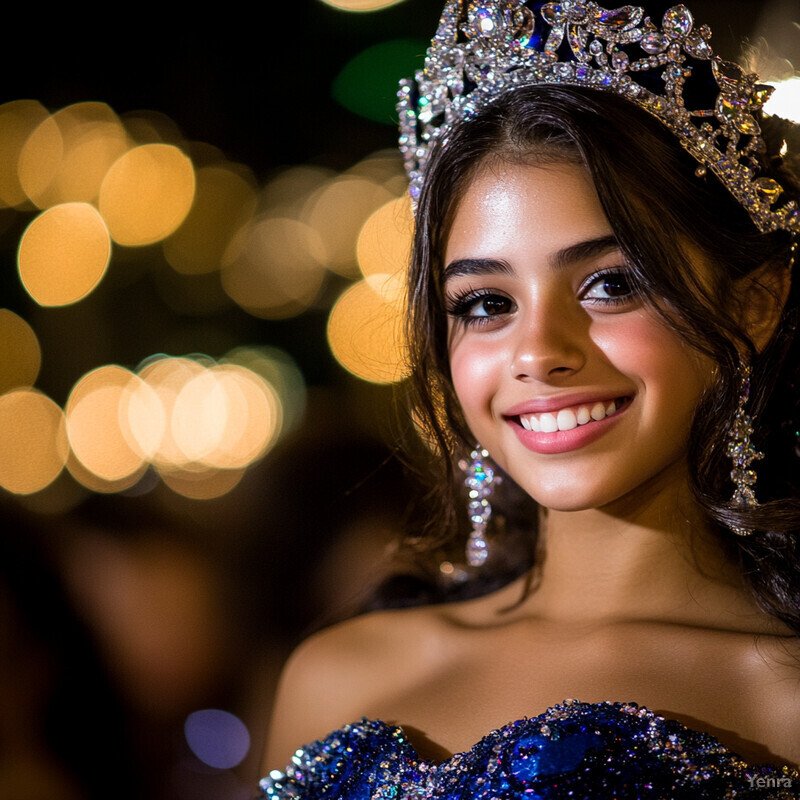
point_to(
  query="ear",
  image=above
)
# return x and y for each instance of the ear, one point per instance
(762, 295)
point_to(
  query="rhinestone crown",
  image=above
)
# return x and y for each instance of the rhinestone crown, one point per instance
(484, 48)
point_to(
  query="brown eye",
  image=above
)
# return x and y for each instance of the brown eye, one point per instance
(490, 306)
(608, 287)
(477, 307)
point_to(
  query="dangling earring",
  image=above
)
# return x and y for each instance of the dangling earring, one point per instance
(479, 480)
(742, 452)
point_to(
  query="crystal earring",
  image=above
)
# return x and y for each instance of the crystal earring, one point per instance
(742, 452)
(479, 480)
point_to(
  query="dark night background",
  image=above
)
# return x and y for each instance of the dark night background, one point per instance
(238, 579)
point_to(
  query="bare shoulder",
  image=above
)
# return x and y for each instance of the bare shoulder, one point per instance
(337, 675)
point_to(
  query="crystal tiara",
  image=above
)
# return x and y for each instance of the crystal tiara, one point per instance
(484, 48)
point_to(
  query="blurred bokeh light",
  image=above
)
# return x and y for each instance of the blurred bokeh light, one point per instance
(195, 423)
(33, 441)
(20, 353)
(18, 119)
(95, 426)
(64, 254)
(337, 212)
(366, 330)
(785, 100)
(384, 244)
(279, 267)
(67, 156)
(218, 738)
(205, 483)
(225, 201)
(281, 373)
(147, 194)
(367, 85)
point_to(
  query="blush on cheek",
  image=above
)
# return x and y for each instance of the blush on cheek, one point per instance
(636, 346)
(474, 366)
(475, 370)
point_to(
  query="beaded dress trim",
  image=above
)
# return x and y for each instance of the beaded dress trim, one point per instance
(574, 750)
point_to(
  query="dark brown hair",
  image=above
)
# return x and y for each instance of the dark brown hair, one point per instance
(656, 205)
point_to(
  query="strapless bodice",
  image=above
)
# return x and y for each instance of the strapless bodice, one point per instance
(574, 750)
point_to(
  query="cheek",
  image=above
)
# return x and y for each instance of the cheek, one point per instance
(647, 350)
(475, 370)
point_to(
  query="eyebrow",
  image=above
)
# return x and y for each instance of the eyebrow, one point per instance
(574, 253)
(476, 266)
(591, 248)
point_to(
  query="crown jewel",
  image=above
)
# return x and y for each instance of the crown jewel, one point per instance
(484, 48)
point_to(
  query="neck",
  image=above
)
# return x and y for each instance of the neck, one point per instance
(639, 559)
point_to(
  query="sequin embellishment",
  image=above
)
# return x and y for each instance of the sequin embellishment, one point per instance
(573, 750)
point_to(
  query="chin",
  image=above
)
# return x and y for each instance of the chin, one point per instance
(568, 497)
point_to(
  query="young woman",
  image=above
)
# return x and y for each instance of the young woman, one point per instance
(600, 296)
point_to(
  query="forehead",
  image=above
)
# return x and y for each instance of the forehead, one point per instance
(516, 207)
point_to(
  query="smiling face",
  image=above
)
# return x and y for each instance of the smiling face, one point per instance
(577, 388)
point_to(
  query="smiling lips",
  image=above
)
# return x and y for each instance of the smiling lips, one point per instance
(561, 430)
(566, 419)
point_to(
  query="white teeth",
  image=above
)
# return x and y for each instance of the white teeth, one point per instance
(567, 418)
(549, 423)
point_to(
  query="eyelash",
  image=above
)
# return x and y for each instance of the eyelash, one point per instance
(604, 274)
(463, 303)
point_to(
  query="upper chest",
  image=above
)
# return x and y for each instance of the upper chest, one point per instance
(743, 690)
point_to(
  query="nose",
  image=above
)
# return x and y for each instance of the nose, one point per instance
(551, 344)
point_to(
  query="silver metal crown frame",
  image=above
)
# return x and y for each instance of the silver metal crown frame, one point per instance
(485, 48)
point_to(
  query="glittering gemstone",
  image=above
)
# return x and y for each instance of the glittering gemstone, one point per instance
(578, 36)
(729, 111)
(596, 47)
(698, 47)
(768, 188)
(760, 95)
(620, 60)
(747, 125)
(554, 41)
(678, 21)
(654, 43)
(553, 13)
(453, 58)
(478, 507)
(477, 552)
(486, 25)
(620, 18)
(426, 111)
(523, 24)
(481, 20)
(577, 12)
(728, 74)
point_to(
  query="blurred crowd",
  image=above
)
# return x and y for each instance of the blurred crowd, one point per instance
(142, 642)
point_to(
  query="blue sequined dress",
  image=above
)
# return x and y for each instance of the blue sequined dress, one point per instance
(580, 751)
